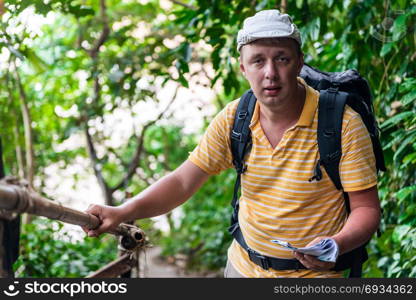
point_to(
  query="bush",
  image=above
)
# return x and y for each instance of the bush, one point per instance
(48, 251)
(202, 231)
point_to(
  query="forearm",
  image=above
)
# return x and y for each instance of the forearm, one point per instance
(159, 198)
(360, 226)
(166, 194)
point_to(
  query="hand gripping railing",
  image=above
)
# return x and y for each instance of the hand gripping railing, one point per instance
(18, 199)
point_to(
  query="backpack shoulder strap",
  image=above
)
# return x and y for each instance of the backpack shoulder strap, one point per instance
(240, 145)
(330, 114)
(240, 133)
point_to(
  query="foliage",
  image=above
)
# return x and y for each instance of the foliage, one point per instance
(71, 90)
(201, 234)
(395, 249)
(48, 251)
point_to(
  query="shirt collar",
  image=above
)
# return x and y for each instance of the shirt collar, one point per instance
(310, 106)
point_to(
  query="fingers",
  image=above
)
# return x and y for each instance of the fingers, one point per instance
(316, 241)
(313, 263)
(108, 216)
(96, 210)
(104, 227)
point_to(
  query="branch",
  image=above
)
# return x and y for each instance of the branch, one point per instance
(283, 6)
(95, 164)
(27, 122)
(134, 163)
(1, 8)
(386, 69)
(206, 73)
(184, 4)
(18, 148)
(143, 178)
(114, 152)
(104, 34)
(93, 53)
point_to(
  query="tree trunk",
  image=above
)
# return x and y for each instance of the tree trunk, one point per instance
(283, 6)
(19, 153)
(27, 123)
(95, 163)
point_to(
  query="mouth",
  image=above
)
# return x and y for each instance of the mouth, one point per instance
(272, 90)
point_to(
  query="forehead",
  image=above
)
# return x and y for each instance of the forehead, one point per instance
(284, 45)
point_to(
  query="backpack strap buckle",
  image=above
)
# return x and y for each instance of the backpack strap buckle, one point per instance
(242, 115)
(258, 259)
(239, 167)
(236, 136)
(334, 87)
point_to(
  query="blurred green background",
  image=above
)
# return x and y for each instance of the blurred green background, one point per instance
(116, 94)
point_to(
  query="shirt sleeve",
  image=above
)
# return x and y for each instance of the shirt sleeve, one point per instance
(358, 164)
(213, 153)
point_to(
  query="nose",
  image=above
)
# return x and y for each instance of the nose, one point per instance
(271, 71)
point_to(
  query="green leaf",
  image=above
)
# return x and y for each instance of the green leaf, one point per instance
(399, 233)
(399, 27)
(396, 256)
(403, 193)
(80, 10)
(410, 158)
(314, 28)
(37, 63)
(397, 119)
(386, 49)
(405, 144)
(183, 80)
(330, 3)
(187, 52)
(409, 98)
(15, 52)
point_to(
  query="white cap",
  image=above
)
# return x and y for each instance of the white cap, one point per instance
(267, 24)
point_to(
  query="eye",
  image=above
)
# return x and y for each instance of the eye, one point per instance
(257, 61)
(282, 59)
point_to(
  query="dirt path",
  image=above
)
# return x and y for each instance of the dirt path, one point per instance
(153, 265)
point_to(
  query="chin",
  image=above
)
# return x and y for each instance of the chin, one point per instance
(271, 101)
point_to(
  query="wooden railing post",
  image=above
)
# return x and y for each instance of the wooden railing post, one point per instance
(9, 234)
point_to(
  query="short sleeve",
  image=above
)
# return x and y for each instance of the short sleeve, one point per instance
(213, 153)
(358, 165)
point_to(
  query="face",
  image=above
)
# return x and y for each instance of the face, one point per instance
(271, 66)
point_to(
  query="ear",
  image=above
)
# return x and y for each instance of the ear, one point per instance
(242, 69)
(301, 62)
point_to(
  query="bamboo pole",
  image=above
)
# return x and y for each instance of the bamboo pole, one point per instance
(14, 198)
(117, 267)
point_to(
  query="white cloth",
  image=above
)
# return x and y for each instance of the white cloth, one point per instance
(325, 250)
(267, 24)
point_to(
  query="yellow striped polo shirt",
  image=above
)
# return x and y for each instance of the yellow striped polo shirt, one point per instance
(277, 200)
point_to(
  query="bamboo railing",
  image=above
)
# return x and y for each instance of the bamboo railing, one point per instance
(18, 199)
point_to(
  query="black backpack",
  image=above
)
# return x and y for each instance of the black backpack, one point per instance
(336, 89)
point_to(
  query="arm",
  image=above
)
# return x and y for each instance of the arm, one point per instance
(361, 224)
(161, 197)
(174, 189)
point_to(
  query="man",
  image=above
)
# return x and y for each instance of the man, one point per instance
(277, 199)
